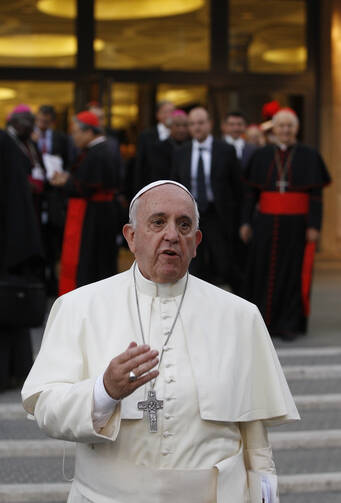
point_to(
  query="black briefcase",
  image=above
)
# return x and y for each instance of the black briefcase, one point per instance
(22, 302)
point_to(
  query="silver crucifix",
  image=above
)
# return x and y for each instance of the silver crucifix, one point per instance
(150, 408)
(282, 185)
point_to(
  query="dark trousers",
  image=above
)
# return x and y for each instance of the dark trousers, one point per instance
(214, 260)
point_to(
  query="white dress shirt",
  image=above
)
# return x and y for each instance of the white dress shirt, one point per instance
(238, 144)
(206, 154)
(163, 131)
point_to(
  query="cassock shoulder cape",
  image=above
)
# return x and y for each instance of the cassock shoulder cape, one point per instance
(236, 369)
(308, 169)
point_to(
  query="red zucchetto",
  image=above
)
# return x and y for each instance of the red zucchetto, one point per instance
(269, 109)
(88, 118)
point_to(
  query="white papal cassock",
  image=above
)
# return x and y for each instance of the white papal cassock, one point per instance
(220, 381)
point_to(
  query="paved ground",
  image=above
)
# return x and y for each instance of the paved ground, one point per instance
(325, 332)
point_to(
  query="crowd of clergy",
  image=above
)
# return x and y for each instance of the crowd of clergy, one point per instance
(258, 191)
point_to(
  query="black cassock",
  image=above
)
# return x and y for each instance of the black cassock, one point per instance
(21, 252)
(89, 246)
(287, 187)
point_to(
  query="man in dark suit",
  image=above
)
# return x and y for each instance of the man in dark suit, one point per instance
(147, 140)
(160, 159)
(49, 140)
(233, 128)
(56, 149)
(210, 170)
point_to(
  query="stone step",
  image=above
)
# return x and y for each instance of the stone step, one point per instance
(310, 483)
(313, 419)
(322, 402)
(313, 439)
(35, 448)
(288, 484)
(309, 351)
(307, 460)
(314, 386)
(36, 470)
(326, 497)
(12, 411)
(287, 361)
(312, 372)
(20, 429)
(15, 411)
(33, 493)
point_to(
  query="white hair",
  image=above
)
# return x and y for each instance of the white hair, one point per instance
(134, 207)
(285, 113)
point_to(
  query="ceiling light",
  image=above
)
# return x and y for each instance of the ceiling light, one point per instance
(293, 55)
(122, 9)
(7, 94)
(41, 45)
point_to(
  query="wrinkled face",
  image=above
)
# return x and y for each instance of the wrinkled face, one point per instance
(165, 237)
(199, 124)
(234, 126)
(179, 128)
(44, 121)
(80, 137)
(285, 128)
(164, 114)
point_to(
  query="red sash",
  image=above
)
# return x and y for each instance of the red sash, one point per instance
(73, 238)
(286, 203)
(306, 275)
(71, 244)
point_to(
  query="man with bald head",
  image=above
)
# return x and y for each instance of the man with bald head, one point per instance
(286, 181)
(164, 381)
(210, 170)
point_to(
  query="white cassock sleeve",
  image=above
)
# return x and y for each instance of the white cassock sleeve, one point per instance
(104, 405)
(261, 472)
(58, 390)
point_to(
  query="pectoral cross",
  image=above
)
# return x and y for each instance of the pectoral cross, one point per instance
(282, 185)
(150, 407)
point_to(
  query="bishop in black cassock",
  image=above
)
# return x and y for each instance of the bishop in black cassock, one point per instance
(21, 253)
(286, 181)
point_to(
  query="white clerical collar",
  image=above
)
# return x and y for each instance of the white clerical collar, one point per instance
(206, 144)
(163, 290)
(96, 141)
(163, 131)
(234, 141)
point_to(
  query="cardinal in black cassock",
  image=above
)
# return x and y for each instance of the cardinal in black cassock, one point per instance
(285, 181)
(89, 251)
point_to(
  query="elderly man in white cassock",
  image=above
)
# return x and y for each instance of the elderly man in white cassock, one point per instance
(165, 382)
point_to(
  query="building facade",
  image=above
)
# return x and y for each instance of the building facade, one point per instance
(226, 54)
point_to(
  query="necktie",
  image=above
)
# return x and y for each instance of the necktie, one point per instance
(43, 142)
(201, 185)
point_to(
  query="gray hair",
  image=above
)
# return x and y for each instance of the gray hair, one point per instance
(134, 207)
(285, 113)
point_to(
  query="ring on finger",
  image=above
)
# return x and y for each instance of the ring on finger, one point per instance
(132, 376)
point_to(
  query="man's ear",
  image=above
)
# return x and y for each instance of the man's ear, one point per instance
(129, 234)
(198, 238)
